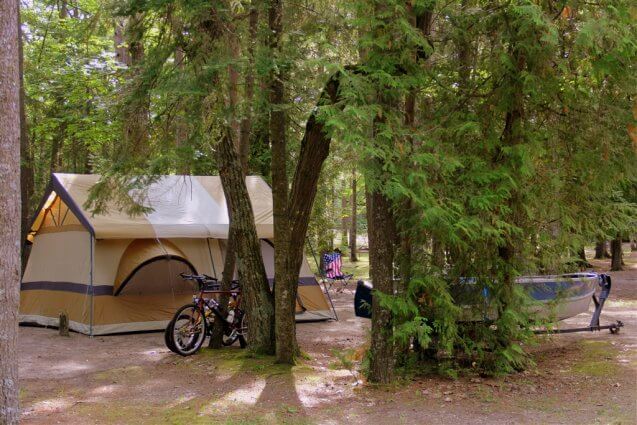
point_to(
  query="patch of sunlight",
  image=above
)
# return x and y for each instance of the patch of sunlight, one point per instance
(246, 396)
(105, 389)
(181, 400)
(625, 313)
(70, 367)
(51, 405)
(621, 303)
(313, 391)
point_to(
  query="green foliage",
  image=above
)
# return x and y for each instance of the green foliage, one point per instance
(516, 156)
(70, 77)
(515, 162)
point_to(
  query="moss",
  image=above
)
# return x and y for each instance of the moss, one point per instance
(597, 359)
(544, 404)
(484, 394)
(120, 373)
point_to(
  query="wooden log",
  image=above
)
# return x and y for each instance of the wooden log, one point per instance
(64, 324)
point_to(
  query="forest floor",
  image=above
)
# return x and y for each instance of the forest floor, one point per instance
(126, 379)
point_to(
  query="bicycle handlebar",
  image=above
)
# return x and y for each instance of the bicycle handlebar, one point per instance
(199, 277)
(203, 279)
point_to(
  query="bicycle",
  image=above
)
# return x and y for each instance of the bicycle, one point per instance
(187, 330)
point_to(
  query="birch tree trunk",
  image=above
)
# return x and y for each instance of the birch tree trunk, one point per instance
(9, 209)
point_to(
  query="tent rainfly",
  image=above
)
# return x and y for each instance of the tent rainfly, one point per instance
(113, 273)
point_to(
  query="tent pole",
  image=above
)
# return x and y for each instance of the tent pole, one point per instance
(91, 285)
(318, 266)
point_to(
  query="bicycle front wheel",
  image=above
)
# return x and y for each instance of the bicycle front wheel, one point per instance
(188, 330)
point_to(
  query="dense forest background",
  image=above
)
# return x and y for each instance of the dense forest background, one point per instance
(467, 138)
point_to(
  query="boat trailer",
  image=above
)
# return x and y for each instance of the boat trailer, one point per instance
(363, 301)
(605, 283)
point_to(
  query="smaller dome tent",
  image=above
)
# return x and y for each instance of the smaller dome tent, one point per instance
(112, 273)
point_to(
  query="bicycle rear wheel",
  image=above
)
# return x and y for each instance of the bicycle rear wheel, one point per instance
(187, 331)
(168, 336)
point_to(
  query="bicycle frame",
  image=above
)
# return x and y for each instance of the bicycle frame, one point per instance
(211, 304)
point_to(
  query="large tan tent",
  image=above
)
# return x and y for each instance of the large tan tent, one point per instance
(113, 273)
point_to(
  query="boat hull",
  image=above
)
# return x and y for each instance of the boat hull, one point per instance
(553, 298)
(560, 297)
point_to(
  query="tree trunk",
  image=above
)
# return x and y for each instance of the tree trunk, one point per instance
(512, 136)
(241, 131)
(616, 261)
(9, 209)
(352, 230)
(344, 220)
(180, 122)
(26, 165)
(246, 122)
(257, 298)
(121, 51)
(315, 147)
(229, 265)
(136, 107)
(381, 255)
(601, 250)
(285, 283)
(582, 261)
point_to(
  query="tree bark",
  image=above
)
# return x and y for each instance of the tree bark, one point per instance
(26, 165)
(344, 219)
(255, 288)
(246, 122)
(381, 256)
(616, 262)
(582, 261)
(241, 131)
(512, 135)
(229, 266)
(136, 107)
(601, 250)
(352, 230)
(121, 51)
(9, 209)
(285, 284)
(315, 147)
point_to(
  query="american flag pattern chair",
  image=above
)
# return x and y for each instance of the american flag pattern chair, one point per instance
(332, 263)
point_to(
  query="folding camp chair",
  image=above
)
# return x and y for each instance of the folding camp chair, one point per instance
(332, 272)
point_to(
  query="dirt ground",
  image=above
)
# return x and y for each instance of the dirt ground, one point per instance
(134, 379)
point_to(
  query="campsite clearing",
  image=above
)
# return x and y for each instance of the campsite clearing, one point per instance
(579, 378)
